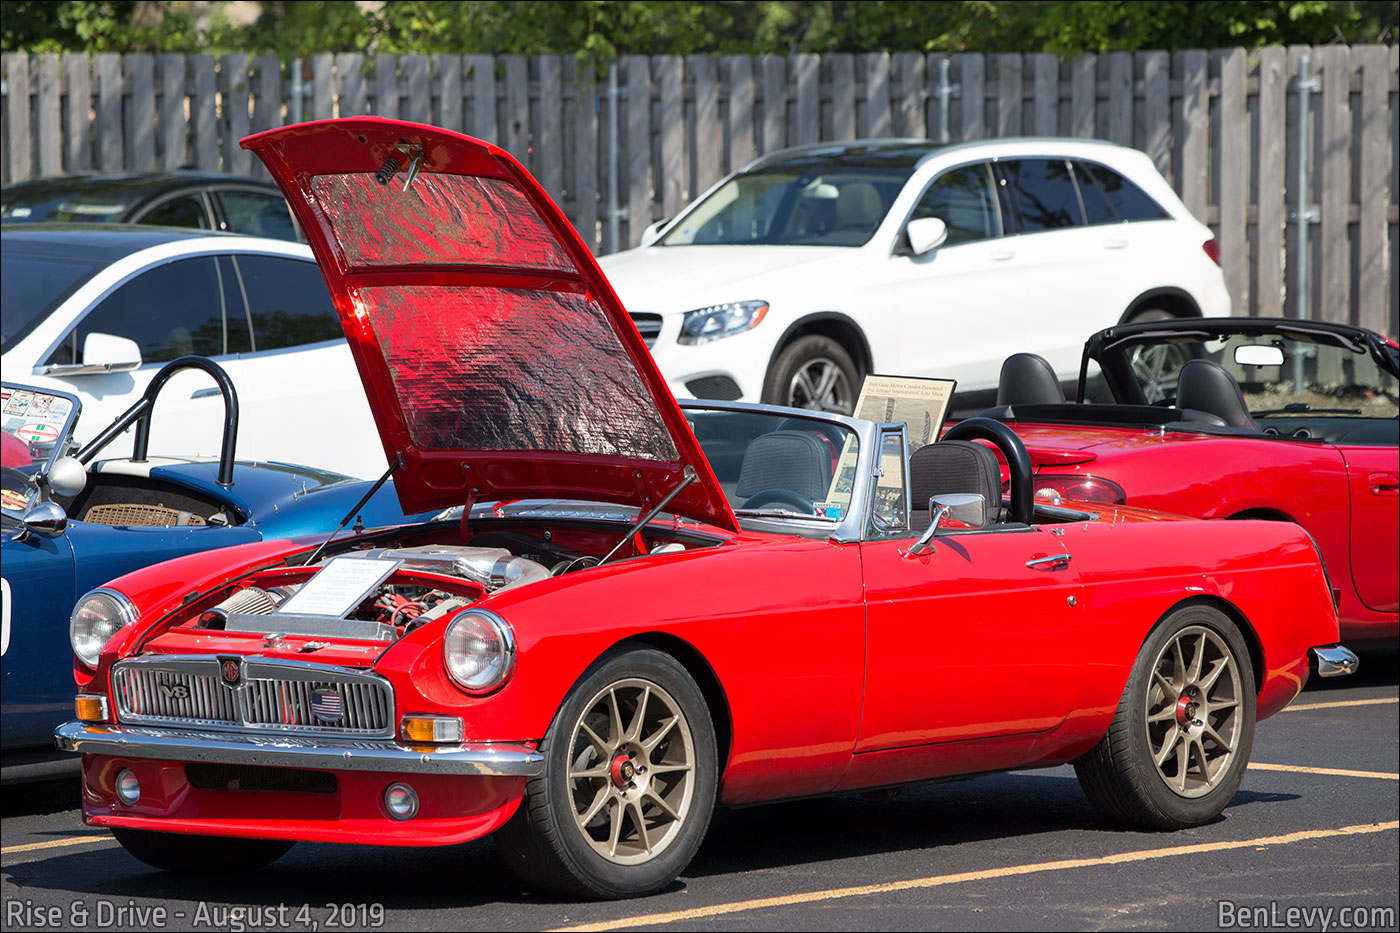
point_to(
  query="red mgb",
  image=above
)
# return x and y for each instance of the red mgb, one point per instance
(631, 610)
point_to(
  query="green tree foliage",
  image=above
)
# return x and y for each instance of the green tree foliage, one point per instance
(605, 28)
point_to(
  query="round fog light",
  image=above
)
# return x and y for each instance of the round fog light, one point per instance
(401, 801)
(128, 788)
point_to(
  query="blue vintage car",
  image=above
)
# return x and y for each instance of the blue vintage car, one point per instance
(70, 524)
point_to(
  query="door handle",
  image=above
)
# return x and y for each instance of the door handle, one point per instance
(1054, 560)
(204, 393)
(1003, 257)
(1384, 484)
(1115, 244)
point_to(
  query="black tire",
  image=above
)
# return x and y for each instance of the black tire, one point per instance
(813, 357)
(1215, 725)
(578, 836)
(186, 854)
(1143, 315)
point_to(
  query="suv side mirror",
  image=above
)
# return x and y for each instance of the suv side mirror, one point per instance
(926, 234)
(653, 233)
(102, 353)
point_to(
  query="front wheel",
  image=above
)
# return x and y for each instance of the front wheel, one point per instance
(813, 372)
(187, 854)
(1180, 740)
(628, 785)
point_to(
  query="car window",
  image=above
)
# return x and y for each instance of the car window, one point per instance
(32, 286)
(257, 213)
(965, 200)
(288, 303)
(1043, 193)
(186, 211)
(835, 206)
(171, 311)
(1111, 198)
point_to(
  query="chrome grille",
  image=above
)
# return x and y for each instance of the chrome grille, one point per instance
(273, 695)
(648, 325)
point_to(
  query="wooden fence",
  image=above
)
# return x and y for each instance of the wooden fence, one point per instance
(1222, 126)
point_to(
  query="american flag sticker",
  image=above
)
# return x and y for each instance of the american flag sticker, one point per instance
(327, 705)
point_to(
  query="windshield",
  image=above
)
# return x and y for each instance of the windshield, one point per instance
(779, 466)
(1281, 375)
(61, 204)
(32, 286)
(789, 206)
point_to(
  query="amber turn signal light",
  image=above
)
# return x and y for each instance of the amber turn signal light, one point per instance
(90, 708)
(431, 729)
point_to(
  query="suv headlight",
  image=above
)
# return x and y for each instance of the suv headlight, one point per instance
(95, 620)
(478, 650)
(733, 317)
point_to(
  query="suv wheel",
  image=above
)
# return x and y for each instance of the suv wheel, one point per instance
(813, 372)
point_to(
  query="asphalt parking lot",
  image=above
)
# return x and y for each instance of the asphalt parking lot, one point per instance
(1309, 843)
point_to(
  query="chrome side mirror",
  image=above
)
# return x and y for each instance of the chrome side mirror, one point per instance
(968, 509)
(46, 519)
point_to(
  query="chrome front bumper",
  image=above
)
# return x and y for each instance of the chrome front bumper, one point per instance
(1334, 661)
(481, 760)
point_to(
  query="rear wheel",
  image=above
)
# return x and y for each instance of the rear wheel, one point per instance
(1180, 740)
(186, 854)
(628, 786)
(813, 372)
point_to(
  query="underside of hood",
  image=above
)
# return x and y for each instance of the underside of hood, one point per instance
(497, 360)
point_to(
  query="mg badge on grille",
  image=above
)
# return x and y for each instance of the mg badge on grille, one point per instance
(231, 669)
(327, 705)
(174, 691)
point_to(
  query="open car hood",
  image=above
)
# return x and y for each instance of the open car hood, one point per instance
(497, 359)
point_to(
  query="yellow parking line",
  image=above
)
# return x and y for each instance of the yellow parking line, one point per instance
(1007, 872)
(57, 843)
(1337, 772)
(1340, 703)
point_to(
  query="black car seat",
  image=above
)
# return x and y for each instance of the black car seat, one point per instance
(1205, 386)
(1028, 379)
(949, 467)
(796, 461)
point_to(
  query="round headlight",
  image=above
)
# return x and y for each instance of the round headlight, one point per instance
(95, 619)
(478, 650)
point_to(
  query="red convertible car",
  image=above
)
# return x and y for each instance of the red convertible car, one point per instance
(641, 610)
(1231, 418)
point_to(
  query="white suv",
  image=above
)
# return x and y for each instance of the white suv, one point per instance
(792, 279)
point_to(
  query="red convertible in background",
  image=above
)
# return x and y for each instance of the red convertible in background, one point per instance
(643, 610)
(1234, 418)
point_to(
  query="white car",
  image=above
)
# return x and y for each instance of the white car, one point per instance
(791, 280)
(97, 310)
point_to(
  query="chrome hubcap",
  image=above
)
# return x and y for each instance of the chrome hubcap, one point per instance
(822, 385)
(631, 771)
(1193, 711)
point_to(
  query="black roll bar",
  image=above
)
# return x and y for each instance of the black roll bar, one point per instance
(140, 415)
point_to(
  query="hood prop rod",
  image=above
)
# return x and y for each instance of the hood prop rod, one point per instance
(398, 462)
(690, 477)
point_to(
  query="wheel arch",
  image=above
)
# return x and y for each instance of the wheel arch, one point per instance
(1232, 612)
(690, 658)
(835, 325)
(1263, 514)
(1177, 301)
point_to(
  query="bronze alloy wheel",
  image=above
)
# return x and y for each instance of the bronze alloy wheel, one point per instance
(1179, 742)
(631, 771)
(1193, 711)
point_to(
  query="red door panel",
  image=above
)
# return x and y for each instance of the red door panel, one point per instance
(1374, 478)
(969, 641)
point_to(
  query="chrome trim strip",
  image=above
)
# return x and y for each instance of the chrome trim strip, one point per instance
(1334, 660)
(477, 759)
